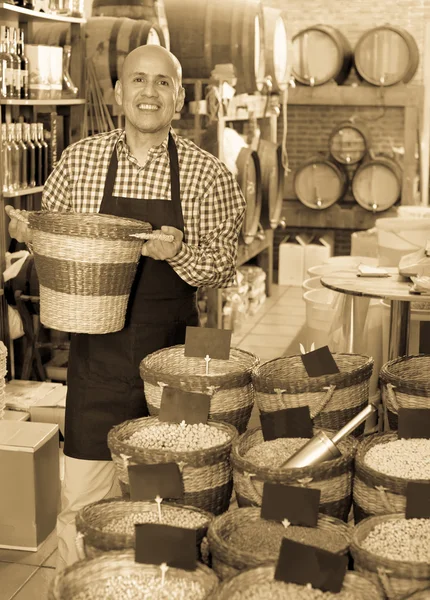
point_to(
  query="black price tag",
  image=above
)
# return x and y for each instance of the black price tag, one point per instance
(178, 405)
(414, 423)
(298, 505)
(149, 481)
(158, 543)
(417, 500)
(287, 423)
(205, 341)
(320, 362)
(302, 564)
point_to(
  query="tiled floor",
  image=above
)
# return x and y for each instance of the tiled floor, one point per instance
(277, 329)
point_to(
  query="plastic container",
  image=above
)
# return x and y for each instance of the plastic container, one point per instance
(400, 236)
(341, 263)
(417, 315)
(313, 283)
(319, 315)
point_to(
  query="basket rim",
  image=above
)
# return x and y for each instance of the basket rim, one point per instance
(267, 383)
(231, 378)
(317, 472)
(403, 385)
(114, 439)
(361, 530)
(363, 471)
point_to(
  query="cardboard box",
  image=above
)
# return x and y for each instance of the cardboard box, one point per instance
(45, 71)
(29, 488)
(291, 260)
(51, 408)
(317, 251)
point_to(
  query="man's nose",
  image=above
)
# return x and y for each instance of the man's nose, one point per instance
(150, 89)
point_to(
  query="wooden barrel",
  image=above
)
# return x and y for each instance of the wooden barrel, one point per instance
(54, 34)
(249, 179)
(272, 182)
(321, 53)
(276, 48)
(132, 9)
(349, 142)
(109, 40)
(205, 33)
(377, 183)
(386, 55)
(320, 182)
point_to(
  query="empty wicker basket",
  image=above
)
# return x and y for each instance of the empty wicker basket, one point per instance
(86, 264)
(229, 382)
(405, 383)
(333, 477)
(333, 400)
(206, 473)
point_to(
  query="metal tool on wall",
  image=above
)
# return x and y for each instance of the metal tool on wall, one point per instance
(321, 448)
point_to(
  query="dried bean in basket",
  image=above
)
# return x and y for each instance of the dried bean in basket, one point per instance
(405, 458)
(177, 517)
(276, 590)
(403, 539)
(265, 538)
(141, 587)
(178, 437)
(274, 452)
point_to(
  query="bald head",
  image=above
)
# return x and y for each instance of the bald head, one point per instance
(137, 58)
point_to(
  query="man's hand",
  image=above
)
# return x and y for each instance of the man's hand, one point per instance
(162, 250)
(17, 229)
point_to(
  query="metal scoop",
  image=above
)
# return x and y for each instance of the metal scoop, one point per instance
(321, 448)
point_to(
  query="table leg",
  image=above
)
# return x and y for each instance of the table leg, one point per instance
(399, 329)
(355, 314)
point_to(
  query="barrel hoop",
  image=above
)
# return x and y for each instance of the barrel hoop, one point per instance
(101, 3)
(134, 40)
(63, 36)
(113, 51)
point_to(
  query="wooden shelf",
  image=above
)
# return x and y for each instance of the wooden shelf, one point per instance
(32, 14)
(47, 102)
(332, 94)
(338, 216)
(24, 192)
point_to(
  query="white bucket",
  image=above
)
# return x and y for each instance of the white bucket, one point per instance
(415, 212)
(341, 263)
(313, 283)
(319, 316)
(417, 315)
(400, 236)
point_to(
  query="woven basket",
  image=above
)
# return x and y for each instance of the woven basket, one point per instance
(86, 264)
(246, 583)
(91, 519)
(405, 383)
(333, 478)
(84, 574)
(424, 595)
(229, 382)
(398, 579)
(207, 474)
(333, 400)
(375, 493)
(227, 560)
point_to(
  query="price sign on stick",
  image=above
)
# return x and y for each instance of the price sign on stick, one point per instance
(414, 423)
(287, 423)
(149, 481)
(302, 564)
(299, 505)
(208, 343)
(320, 362)
(178, 405)
(175, 546)
(417, 500)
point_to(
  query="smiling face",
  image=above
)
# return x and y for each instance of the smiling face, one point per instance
(150, 90)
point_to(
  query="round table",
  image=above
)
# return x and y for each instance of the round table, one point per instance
(394, 288)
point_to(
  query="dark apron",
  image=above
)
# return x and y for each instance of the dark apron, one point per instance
(104, 385)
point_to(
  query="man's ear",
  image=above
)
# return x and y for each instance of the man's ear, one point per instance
(180, 99)
(118, 92)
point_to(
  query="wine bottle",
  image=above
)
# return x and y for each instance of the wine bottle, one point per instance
(45, 152)
(23, 157)
(10, 75)
(31, 162)
(24, 66)
(39, 153)
(12, 38)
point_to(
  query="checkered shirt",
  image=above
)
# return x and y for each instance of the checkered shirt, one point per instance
(212, 203)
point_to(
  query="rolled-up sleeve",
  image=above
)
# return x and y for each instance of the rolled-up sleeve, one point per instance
(56, 192)
(212, 262)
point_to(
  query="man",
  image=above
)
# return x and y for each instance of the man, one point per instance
(145, 172)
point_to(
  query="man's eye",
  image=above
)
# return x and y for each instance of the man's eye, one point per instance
(162, 82)
(138, 79)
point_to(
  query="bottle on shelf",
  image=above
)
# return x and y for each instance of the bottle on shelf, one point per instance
(3, 72)
(6, 160)
(11, 48)
(23, 157)
(15, 155)
(38, 154)
(69, 88)
(6, 56)
(45, 152)
(31, 159)
(20, 50)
